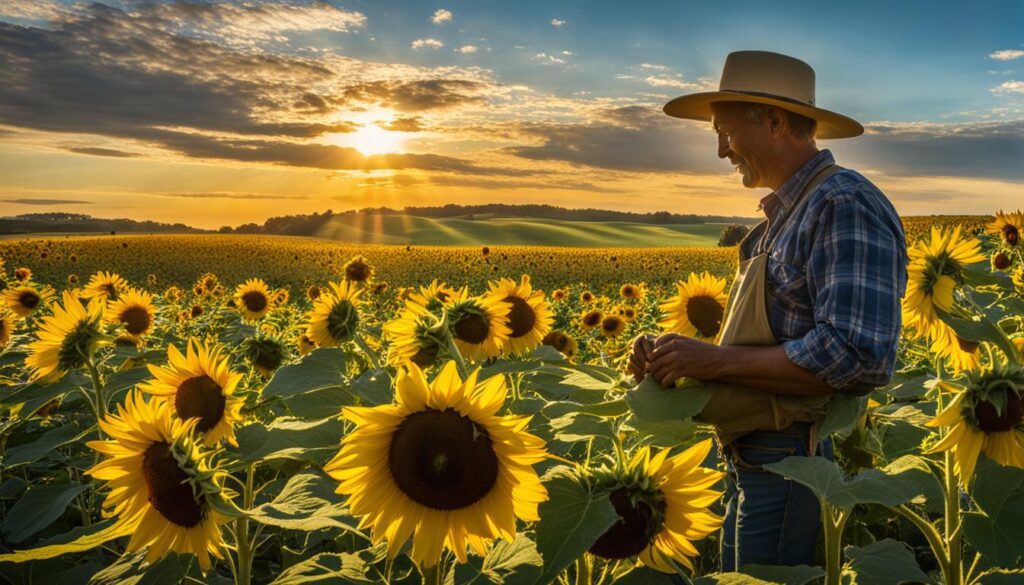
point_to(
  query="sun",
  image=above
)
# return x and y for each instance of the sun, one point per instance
(371, 139)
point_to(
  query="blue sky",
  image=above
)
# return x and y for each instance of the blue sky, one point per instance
(198, 110)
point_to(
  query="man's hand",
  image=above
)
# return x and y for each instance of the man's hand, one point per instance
(643, 345)
(676, 356)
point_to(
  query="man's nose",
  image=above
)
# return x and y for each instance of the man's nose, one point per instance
(723, 149)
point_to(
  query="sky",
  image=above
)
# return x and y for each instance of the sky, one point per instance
(223, 113)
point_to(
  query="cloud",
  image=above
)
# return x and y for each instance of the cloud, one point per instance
(31, 9)
(546, 59)
(557, 23)
(653, 67)
(226, 195)
(410, 124)
(440, 16)
(667, 81)
(47, 201)
(466, 49)
(1007, 55)
(93, 151)
(569, 185)
(427, 43)
(418, 95)
(1011, 86)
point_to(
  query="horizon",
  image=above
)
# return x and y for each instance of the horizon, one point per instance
(213, 114)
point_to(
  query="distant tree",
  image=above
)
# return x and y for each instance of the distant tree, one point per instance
(226, 229)
(733, 234)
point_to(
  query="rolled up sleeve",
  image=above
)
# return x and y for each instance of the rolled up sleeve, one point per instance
(856, 277)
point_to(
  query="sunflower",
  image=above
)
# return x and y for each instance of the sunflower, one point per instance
(934, 272)
(591, 319)
(265, 352)
(662, 503)
(477, 324)
(697, 308)
(305, 344)
(957, 352)
(562, 342)
(359, 270)
(1001, 261)
(66, 339)
(632, 292)
(7, 326)
(134, 309)
(441, 465)
(558, 294)
(201, 385)
(1007, 226)
(586, 297)
(985, 416)
(529, 316)
(25, 300)
(22, 274)
(334, 317)
(163, 489)
(313, 292)
(612, 326)
(410, 337)
(105, 286)
(433, 296)
(628, 314)
(253, 299)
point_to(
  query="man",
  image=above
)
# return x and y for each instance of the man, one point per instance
(814, 310)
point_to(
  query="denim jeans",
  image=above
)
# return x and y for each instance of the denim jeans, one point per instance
(769, 520)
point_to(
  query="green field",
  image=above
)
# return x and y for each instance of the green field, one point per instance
(425, 231)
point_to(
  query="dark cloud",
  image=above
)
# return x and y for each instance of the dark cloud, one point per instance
(103, 152)
(418, 95)
(46, 201)
(456, 181)
(993, 150)
(632, 138)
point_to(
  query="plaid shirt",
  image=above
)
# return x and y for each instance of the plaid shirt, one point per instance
(836, 274)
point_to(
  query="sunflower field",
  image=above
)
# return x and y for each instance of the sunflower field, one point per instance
(196, 409)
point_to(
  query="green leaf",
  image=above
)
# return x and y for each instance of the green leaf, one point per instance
(995, 528)
(908, 387)
(902, 481)
(322, 368)
(326, 568)
(978, 329)
(649, 402)
(34, 396)
(841, 412)
(570, 522)
(125, 380)
(77, 540)
(581, 427)
(902, 431)
(285, 438)
(664, 433)
(886, 562)
(979, 274)
(131, 569)
(374, 387)
(731, 579)
(608, 408)
(506, 563)
(641, 575)
(37, 509)
(36, 450)
(307, 502)
(795, 575)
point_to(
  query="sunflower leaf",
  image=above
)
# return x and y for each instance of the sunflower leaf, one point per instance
(131, 569)
(43, 446)
(570, 522)
(326, 568)
(37, 509)
(77, 540)
(505, 564)
(307, 502)
(324, 368)
(652, 403)
(295, 439)
(978, 329)
(995, 528)
(902, 481)
(886, 562)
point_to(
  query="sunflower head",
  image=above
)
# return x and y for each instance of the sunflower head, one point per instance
(313, 292)
(612, 326)
(334, 317)
(591, 319)
(631, 292)
(413, 338)
(164, 489)
(433, 296)
(7, 326)
(134, 310)
(265, 352)
(25, 300)
(438, 461)
(698, 307)
(662, 505)
(529, 315)
(106, 286)
(562, 342)
(586, 297)
(67, 339)
(253, 299)
(478, 324)
(305, 344)
(200, 385)
(935, 270)
(359, 270)
(1007, 227)
(22, 274)
(994, 401)
(558, 294)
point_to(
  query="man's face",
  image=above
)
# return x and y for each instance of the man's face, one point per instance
(744, 142)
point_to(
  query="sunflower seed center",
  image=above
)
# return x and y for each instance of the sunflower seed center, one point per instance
(169, 490)
(442, 460)
(638, 523)
(990, 420)
(136, 320)
(255, 301)
(521, 317)
(200, 397)
(706, 314)
(472, 328)
(29, 299)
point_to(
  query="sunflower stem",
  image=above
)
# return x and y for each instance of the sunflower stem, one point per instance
(367, 350)
(583, 574)
(952, 523)
(432, 575)
(100, 401)
(245, 551)
(931, 534)
(833, 521)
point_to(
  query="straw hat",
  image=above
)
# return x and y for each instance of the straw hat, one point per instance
(762, 77)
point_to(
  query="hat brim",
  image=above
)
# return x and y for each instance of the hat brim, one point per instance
(697, 106)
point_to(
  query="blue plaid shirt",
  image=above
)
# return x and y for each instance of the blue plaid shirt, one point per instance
(836, 274)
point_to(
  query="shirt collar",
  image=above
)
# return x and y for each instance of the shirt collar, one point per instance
(784, 197)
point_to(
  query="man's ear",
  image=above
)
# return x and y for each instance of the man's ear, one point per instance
(775, 118)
